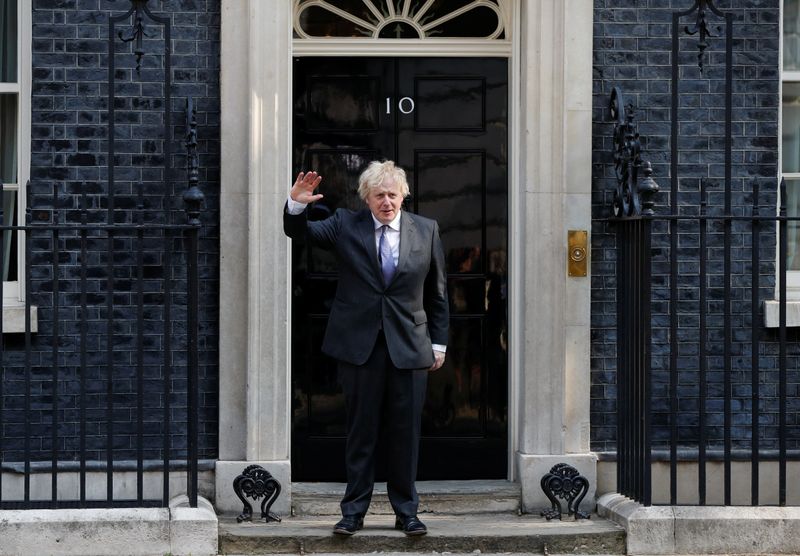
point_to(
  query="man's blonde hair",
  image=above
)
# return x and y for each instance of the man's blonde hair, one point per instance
(376, 173)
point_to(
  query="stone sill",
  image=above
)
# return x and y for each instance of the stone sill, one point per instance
(671, 530)
(14, 319)
(772, 310)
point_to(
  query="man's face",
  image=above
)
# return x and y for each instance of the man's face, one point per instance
(384, 201)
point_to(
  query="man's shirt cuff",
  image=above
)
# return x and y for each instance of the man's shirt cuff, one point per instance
(439, 347)
(293, 207)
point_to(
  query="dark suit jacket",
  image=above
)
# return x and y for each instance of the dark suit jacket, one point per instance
(412, 309)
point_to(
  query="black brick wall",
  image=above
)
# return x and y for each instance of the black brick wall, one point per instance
(632, 49)
(69, 148)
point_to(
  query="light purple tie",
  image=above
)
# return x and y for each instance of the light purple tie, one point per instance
(387, 260)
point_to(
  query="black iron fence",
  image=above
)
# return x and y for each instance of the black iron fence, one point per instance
(728, 337)
(101, 364)
(707, 368)
(701, 378)
(99, 377)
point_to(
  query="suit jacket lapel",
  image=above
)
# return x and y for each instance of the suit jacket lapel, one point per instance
(367, 232)
(408, 235)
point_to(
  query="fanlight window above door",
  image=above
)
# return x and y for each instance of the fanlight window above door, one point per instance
(400, 19)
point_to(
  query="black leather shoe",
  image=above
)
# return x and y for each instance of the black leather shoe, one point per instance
(348, 525)
(410, 525)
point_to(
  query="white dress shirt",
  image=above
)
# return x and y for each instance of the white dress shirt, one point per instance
(392, 235)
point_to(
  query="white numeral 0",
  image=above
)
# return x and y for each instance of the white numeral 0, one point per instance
(400, 105)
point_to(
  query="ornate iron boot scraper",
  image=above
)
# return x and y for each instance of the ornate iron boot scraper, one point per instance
(564, 481)
(256, 482)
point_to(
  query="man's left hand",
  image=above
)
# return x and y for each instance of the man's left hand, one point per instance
(438, 360)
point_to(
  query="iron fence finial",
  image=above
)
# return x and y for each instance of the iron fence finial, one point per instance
(193, 198)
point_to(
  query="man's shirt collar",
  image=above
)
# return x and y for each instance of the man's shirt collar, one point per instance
(394, 224)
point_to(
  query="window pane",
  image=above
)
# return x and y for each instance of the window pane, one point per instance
(793, 226)
(319, 22)
(791, 127)
(9, 238)
(480, 21)
(8, 138)
(8, 41)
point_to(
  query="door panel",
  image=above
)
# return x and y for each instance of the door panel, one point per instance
(445, 122)
(449, 103)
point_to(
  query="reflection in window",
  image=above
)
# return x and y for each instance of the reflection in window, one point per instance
(15, 88)
(9, 237)
(399, 19)
(8, 138)
(793, 226)
(790, 126)
(8, 41)
(791, 35)
(8, 179)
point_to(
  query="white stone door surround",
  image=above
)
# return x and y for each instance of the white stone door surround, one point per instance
(550, 189)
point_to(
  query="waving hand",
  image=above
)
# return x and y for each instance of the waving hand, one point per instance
(303, 188)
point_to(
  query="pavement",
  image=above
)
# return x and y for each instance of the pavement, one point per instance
(447, 534)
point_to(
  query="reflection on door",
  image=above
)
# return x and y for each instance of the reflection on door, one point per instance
(444, 120)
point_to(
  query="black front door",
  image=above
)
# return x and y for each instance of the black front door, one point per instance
(443, 120)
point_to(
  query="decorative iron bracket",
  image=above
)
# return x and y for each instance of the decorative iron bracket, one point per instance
(256, 482)
(565, 482)
(631, 197)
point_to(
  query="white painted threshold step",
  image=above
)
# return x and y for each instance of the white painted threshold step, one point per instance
(439, 497)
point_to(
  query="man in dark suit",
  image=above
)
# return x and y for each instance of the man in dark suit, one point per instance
(387, 329)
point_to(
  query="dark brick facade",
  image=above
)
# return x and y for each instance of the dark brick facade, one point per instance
(69, 148)
(632, 49)
(632, 44)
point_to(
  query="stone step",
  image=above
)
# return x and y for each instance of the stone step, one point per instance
(490, 533)
(450, 497)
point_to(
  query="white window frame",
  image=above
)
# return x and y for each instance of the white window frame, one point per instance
(772, 307)
(14, 291)
(792, 276)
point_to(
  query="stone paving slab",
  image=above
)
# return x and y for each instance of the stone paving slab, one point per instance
(454, 534)
(478, 553)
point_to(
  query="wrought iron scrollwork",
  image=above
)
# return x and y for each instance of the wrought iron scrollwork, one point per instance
(631, 198)
(565, 482)
(701, 27)
(256, 482)
(136, 33)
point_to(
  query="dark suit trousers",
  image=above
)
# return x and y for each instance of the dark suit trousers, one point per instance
(382, 399)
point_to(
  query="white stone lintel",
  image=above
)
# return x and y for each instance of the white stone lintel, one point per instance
(532, 467)
(227, 501)
(654, 530)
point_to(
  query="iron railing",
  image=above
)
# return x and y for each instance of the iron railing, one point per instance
(120, 378)
(124, 352)
(701, 380)
(718, 350)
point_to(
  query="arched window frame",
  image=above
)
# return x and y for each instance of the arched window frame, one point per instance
(427, 45)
